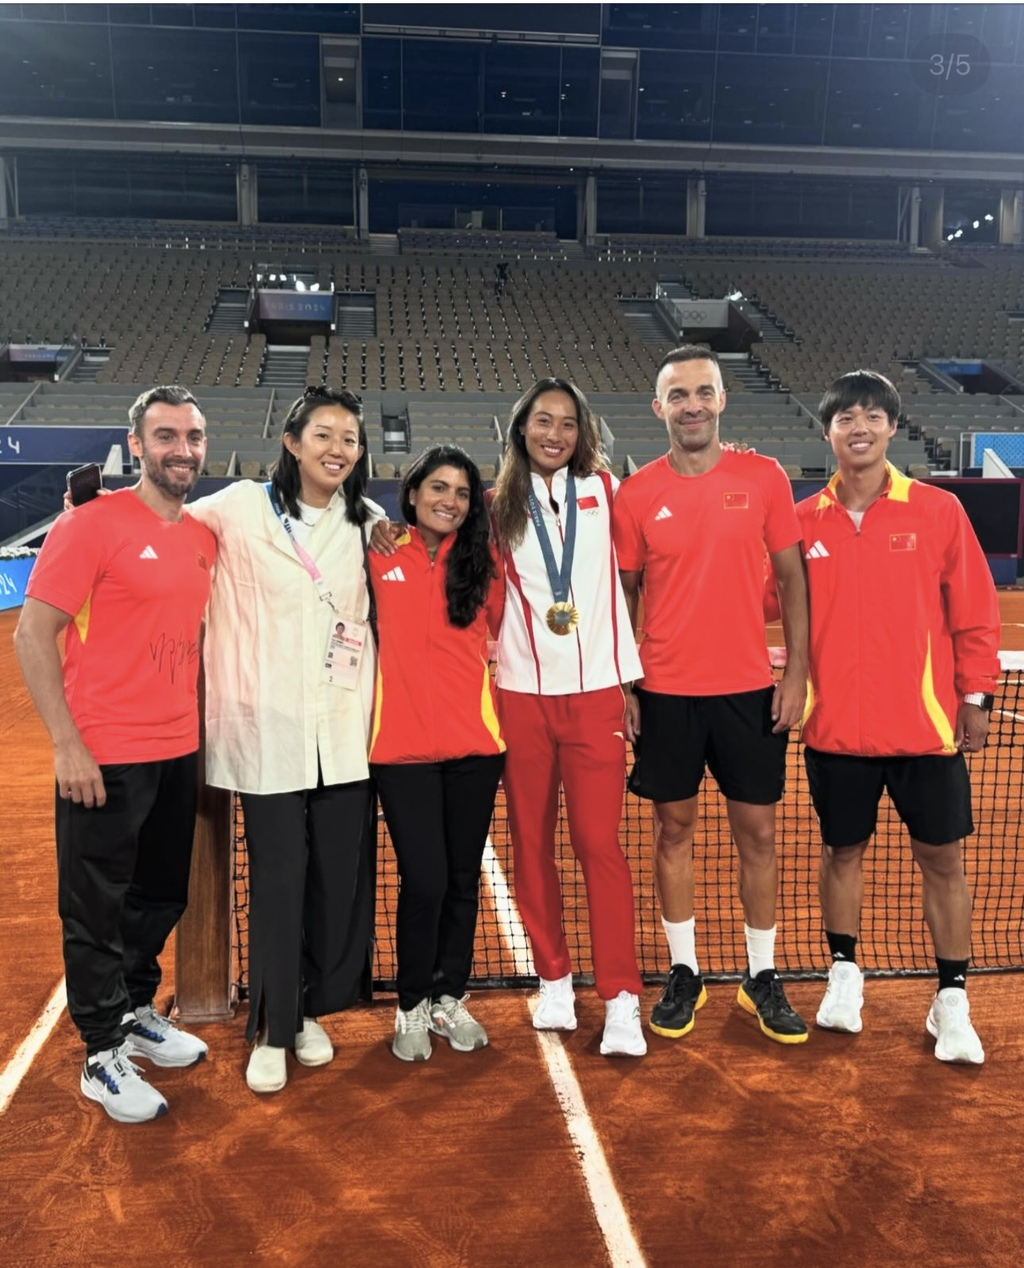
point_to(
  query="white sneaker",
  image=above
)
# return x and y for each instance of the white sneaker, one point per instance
(110, 1078)
(844, 998)
(267, 1070)
(452, 1020)
(156, 1038)
(312, 1045)
(412, 1033)
(623, 1035)
(949, 1023)
(556, 1009)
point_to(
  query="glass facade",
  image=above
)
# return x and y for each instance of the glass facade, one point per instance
(163, 187)
(871, 76)
(922, 76)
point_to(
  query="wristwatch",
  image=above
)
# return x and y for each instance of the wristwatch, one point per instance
(980, 698)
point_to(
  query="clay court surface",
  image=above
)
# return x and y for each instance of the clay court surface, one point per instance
(718, 1149)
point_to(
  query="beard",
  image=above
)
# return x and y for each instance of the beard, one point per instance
(169, 477)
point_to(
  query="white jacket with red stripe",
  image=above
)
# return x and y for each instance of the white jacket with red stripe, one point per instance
(601, 652)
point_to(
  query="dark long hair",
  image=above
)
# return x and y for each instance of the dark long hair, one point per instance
(512, 486)
(285, 481)
(470, 564)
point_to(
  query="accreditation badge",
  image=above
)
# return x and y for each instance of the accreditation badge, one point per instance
(344, 652)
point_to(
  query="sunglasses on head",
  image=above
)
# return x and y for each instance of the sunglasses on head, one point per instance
(317, 392)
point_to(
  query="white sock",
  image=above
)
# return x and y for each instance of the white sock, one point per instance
(760, 949)
(681, 936)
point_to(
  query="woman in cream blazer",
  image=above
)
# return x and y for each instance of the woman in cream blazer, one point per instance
(287, 724)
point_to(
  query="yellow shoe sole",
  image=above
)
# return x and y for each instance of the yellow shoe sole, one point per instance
(748, 1005)
(702, 999)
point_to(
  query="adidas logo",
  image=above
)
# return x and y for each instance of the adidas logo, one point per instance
(149, 553)
(817, 551)
(664, 514)
(396, 574)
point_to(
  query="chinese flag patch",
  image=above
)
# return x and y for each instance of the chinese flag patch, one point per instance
(903, 541)
(589, 503)
(736, 501)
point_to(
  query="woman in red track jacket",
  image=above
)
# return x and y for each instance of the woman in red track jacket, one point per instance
(436, 748)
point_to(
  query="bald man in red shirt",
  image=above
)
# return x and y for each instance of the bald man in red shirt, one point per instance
(693, 528)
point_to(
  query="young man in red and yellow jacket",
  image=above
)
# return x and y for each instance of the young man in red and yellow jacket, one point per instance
(903, 660)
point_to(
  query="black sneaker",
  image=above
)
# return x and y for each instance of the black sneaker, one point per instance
(765, 997)
(673, 1014)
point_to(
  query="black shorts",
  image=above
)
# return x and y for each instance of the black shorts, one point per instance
(732, 734)
(931, 793)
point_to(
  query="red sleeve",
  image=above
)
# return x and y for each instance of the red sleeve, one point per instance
(495, 603)
(972, 607)
(627, 532)
(73, 558)
(781, 528)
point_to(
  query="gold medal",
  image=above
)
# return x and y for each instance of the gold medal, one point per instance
(562, 618)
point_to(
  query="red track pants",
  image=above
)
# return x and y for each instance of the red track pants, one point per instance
(575, 741)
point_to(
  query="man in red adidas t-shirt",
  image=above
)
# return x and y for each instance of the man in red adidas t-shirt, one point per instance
(694, 526)
(125, 579)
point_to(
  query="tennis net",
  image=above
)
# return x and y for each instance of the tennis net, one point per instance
(893, 938)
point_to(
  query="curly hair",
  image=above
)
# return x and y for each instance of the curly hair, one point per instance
(511, 489)
(470, 564)
(285, 480)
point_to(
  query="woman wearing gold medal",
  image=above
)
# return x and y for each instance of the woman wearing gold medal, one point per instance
(564, 649)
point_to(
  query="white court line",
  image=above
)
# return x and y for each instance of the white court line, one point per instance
(20, 1064)
(623, 1249)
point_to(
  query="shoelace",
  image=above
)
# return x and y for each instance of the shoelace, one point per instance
(415, 1018)
(623, 1011)
(956, 1017)
(119, 1069)
(777, 995)
(844, 990)
(457, 1012)
(679, 984)
(153, 1023)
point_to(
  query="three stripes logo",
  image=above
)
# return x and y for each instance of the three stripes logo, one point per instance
(148, 553)
(396, 574)
(664, 514)
(817, 551)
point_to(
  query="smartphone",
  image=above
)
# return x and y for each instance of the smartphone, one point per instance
(84, 483)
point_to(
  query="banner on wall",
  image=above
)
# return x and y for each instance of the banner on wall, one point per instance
(64, 446)
(14, 574)
(295, 306)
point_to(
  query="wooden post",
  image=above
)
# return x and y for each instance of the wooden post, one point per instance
(203, 987)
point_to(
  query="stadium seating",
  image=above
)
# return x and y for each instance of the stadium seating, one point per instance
(450, 350)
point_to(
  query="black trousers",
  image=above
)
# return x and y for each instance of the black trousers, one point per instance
(311, 882)
(122, 884)
(438, 815)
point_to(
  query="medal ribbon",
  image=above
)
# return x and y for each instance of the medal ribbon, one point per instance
(559, 580)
